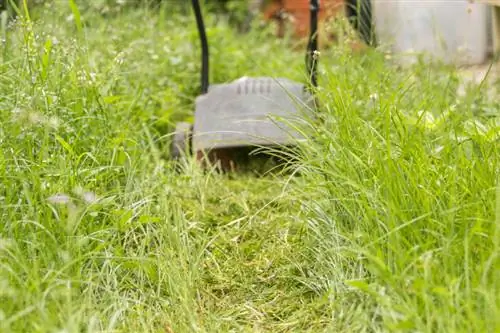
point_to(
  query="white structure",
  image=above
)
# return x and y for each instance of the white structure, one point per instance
(451, 30)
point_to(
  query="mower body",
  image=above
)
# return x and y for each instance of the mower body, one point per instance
(249, 112)
(258, 111)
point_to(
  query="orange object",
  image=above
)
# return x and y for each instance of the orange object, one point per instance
(298, 12)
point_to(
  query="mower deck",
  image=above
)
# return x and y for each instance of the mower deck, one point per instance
(248, 112)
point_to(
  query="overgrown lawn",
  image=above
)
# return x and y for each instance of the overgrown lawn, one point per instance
(387, 221)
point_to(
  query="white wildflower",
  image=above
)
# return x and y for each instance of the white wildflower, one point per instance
(35, 118)
(59, 198)
(53, 122)
(81, 75)
(119, 59)
(316, 54)
(89, 197)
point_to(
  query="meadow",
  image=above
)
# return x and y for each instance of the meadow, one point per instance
(386, 218)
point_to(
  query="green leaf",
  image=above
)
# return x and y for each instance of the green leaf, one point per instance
(360, 285)
(76, 16)
(146, 219)
(65, 145)
(46, 58)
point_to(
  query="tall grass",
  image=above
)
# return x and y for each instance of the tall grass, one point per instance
(402, 186)
(391, 224)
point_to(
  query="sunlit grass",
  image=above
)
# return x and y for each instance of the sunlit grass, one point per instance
(388, 220)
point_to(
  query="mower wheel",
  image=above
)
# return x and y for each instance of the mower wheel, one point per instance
(181, 142)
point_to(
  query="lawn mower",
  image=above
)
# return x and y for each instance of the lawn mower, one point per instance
(248, 112)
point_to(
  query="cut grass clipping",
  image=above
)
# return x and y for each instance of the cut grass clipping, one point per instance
(387, 221)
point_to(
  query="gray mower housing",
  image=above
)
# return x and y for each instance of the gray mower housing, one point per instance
(249, 111)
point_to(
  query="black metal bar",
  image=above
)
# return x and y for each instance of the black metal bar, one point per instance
(204, 46)
(312, 46)
(359, 13)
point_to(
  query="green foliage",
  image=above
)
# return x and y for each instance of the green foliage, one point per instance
(401, 181)
(389, 222)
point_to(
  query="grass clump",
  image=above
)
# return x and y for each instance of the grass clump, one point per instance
(390, 224)
(402, 180)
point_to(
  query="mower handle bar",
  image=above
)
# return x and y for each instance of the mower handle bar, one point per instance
(312, 45)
